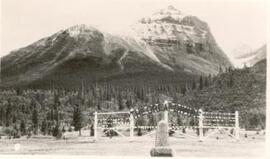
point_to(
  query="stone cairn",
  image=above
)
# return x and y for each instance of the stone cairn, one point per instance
(162, 148)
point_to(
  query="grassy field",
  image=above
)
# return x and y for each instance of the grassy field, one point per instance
(251, 147)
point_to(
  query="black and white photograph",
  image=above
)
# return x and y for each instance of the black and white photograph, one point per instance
(134, 78)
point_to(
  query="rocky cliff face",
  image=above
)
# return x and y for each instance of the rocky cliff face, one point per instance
(182, 40)
(168, 42)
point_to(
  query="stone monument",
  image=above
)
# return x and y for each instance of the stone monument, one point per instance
(162, 148)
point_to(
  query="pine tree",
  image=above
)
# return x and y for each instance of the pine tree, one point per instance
(194, 85)
(23, 127)
(1, 115)
(206, 82)
(32, 104)
(220, 69)
(56, 115)
(128, 103)
(44, 127)
(179, 120)
(16, 132)
(231, 81)
(120, 103)
(57, 132)
(14, 119)
(51, 115)
(92, 131)
(49, 128)
(77, 119)
(201, 83)
(209, 79)
(8, 113)
(56, 101)
(63, 129)
(35, 120)
(139, 132)
(98, 106)
(184, 90)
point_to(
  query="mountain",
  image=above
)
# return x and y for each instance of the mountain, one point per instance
(250, 58)
(242, 89)
(168, 45)
(182, 40)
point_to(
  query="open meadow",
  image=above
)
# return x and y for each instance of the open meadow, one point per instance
(251, 147)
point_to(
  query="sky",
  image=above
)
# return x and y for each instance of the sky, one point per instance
(233, 23)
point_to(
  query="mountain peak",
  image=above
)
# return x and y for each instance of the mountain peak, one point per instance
(171, 12)
(170, 7)
(81, 29)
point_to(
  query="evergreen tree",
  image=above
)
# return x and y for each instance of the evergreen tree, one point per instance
(206, 82)
(231, 82)
(128, 103)
(56, 115)
(48, 116)
(120, 103)
(56, 101)
(220, 69)
(16, 132)
(23, 127)
(219, 83)
(77, 119)
(179, 120)
(44, 127)
(92, 130)
(32, 104)
(209, 79)
(139, 132)
(194, 85)
(23, 109)
(63, 129)
(57, 132)
(1, 115)
(184, 90)
(201, 83)
(8, 113)
(49, 125)
(35, 120)
(52, 115)
(14, 119)
(98, 106)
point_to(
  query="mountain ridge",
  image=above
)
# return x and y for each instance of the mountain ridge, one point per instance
(85, 47)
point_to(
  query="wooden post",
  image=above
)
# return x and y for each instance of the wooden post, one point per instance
(166, 111)
(95, 126)
(131, 126)
(200, 125)
(237, 125)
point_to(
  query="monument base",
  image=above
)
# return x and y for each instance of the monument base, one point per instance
(161, 152)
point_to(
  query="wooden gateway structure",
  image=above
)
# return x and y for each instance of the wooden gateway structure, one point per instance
(227, 123)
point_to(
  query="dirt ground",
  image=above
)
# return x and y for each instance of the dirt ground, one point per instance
(224, 146)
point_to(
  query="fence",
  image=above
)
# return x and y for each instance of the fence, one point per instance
(206, 120)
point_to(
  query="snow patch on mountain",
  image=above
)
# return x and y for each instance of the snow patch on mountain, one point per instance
(246, 56)
(121, 58)
(81, 30)
(168, 24)
(130, 42)
(170, 11)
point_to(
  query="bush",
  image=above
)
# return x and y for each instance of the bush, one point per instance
(57, 132)
(110, 133)
(171, 132)
(139, 132)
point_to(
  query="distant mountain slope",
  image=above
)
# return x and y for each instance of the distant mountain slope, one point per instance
(241, 89)
(83, 53)
(252, 57)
